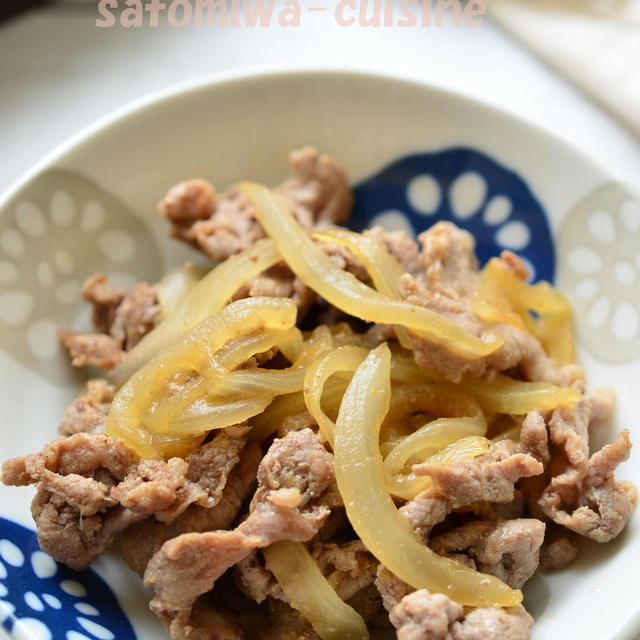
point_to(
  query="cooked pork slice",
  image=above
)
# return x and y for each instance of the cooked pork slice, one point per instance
(105, 300)
(426, 510)
(279, 281)
(121, 319)
(292, 476)
(135, 316)
(188, 202)
(348, 566)
(584, 495)
(587, 499)
(91, 487)
(486, 478)
(90, 457)
(75, 477)
(125, 315)
(391, 588)
(206, 620)
(88, 412)
(569, 427)
(448, 260)
(404, 249)
(280, 623)
(451, 274)
(425, 616)
(139, 543)
(489, 477)
(508, 549)
(496, 511)
(222, 225)
(488, 623)
(256, 581)
(91, 349)
(318, 185)
(558, 549)
(534, 437)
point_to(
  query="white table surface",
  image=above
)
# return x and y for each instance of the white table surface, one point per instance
(58, 73)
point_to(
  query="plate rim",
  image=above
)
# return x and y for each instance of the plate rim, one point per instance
(176, 91)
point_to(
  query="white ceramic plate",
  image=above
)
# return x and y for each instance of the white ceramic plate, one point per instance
(509, 182)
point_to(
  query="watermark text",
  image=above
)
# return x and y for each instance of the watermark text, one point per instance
(290, 13)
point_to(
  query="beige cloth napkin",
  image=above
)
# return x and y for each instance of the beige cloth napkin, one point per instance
(596, 43)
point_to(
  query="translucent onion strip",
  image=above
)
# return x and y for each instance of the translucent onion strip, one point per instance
(343, 335)
(513, 433)
(261, 382)
(309, 592)
(291, 346)
(429, 397)
(206, 415)
(318, 343)
(431, 437)
(240, 349)
(404, 369)
(346, 358)
(384, 531)
(175, 285)
(506, 395)
(378, 263)
(501, 288)
(162, 413)
(500, 395)
(205, 298)
(408, 486)
(192, 353)
(345, 291)
(294, 404)
(441, 399)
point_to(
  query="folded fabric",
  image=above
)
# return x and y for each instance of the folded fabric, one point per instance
(596, 43)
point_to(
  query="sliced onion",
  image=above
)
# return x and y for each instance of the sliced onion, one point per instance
(291, 346)
(501, 394)
(194, 352)
(429, 397)
(384, 531)
(309, 592)
(346, 292)
(204, 299)
(173, 288)
(206, 415)
(407, 485)
(238, 350)
(503, 295)
(430, 438)
(319, 342)
(292, 404)
(381, 266)
(261, 382)
(346, 358)
(506, 395)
